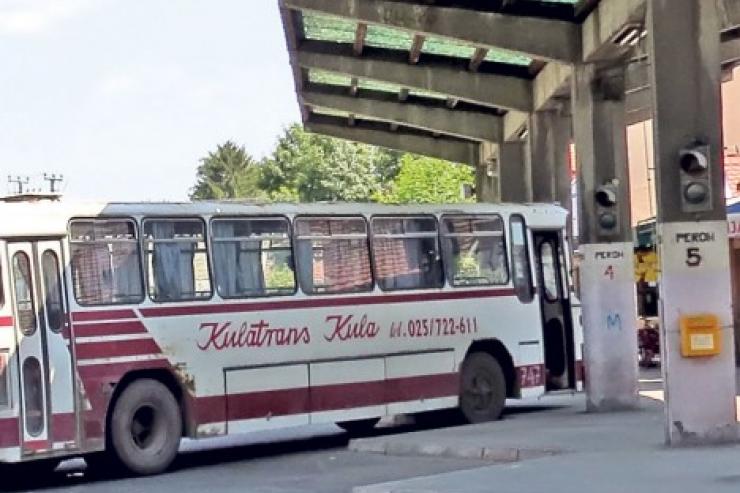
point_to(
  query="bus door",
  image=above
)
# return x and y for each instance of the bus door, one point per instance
(46, 372)
(557, 322)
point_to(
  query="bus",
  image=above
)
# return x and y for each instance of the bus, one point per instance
(125, 327)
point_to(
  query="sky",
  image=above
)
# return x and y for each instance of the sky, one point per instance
(123, 97)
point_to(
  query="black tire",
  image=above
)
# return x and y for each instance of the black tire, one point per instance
(145, 428)
(359, 427)
(482, 388)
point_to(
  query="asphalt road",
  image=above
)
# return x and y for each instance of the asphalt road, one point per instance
(310, 459)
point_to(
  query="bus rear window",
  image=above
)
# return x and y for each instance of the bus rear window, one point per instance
(333, 255)
(106, 269)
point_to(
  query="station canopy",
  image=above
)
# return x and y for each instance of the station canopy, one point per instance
(438, 77)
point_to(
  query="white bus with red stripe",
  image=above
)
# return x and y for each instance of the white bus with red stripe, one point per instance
(125, 327)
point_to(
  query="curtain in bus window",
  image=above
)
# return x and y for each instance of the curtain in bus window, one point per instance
(105, 262)
(238, 263)
(173, 264)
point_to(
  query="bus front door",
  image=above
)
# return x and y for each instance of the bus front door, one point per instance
(48, 401)
(557, 323)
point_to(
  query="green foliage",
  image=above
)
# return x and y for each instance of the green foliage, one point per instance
(280, 277)
(423, 180)
(228, 173)
(314, 168)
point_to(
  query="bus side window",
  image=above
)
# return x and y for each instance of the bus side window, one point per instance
(176, 259)
(406, 253)
(252, 257)
(475, 250)
(521, 269)
(333, 255)
(106, 266)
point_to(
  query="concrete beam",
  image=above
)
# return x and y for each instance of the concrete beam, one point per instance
(494, 90)
(730, 51)
(729, 12)
(605, 23)
(539, 38)
(459, 123)
(450, 149)
(514, 124)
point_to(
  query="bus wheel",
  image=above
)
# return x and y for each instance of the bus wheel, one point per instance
(482, 388)
(145, 427)
(358, 427)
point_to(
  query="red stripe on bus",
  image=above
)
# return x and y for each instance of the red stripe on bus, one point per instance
(116, 370)
(37, 445)
(109, 328)
(285, 402)
(114, 349)
(173, 311)
(97, 315)
(6, 321)
(63, 427)
(9, 432)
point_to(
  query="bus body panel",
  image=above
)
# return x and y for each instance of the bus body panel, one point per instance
(262, 363)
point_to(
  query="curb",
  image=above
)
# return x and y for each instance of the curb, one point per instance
(503, 455)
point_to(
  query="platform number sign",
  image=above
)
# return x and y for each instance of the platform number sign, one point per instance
(693, 253)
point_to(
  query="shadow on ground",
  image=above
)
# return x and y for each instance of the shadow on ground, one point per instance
(213, 452)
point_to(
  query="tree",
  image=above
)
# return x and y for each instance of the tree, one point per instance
(424, 180)
(312, 168)
(228, 173)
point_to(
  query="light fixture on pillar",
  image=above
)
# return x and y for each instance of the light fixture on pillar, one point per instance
(629, 35)
(607, 210)
(695, 172)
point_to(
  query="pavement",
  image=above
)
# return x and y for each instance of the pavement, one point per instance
(553, 445)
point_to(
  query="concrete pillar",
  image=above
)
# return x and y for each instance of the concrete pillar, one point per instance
(693, 245)
(515, 173)
(549, 139)
(605, 234)
(487, 180)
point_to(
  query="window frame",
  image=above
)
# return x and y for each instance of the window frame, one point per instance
(486, 234)
(144, 253)
(212, 239)
(532, 287)
(33, 295)
(136, 241)
(45, 287)
(296, 259)
(418, 235)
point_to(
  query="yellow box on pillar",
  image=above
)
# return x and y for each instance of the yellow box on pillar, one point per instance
(700, 335)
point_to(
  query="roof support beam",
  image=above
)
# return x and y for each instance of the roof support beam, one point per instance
(543, 38)
(416, 46)
(360, 35)
(460, 123)
(499, 91)
(477, 59)
(450, 149)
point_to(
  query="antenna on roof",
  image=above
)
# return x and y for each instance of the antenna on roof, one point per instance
(20, 181)
(53, 179)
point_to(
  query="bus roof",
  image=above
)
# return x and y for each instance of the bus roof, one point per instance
(39, 218)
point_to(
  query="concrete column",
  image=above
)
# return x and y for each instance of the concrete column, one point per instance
(605, 234)
(515, 174)
(487, 180)
(692, 236)
(549, 139)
